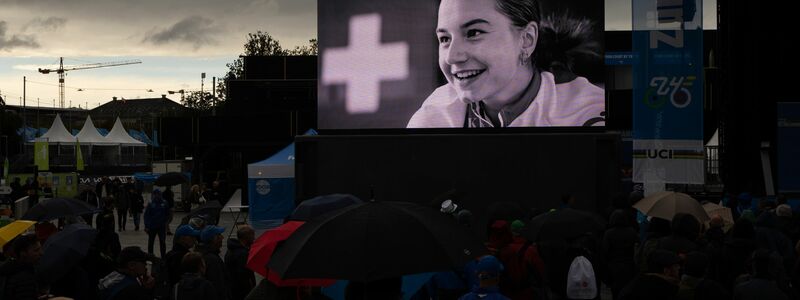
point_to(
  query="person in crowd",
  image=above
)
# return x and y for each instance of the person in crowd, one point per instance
(18, 274)
(694, 282)
(16, 189)
(169, 198)
(715, 247)
(155, 222)
(737, 250)
(499, 233)
(193, 199)
(242, 278)
(742, 202)
(192, 284)
(185, 239)
(215, 192)
(88, 195)
(210, 246)
(501, 72)
(786, 222)
(762, 284)
(105, 220)
(104, 189)
(122, 202)
(137, 206)
(619, 243)
(33, 193)
(685, 231)
(130, 280)
(488, 271)
(524, 269)
(661, 282)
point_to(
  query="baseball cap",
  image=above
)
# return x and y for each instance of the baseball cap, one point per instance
(185, 230)
(133, 253)
(489, 264)
(209, 232)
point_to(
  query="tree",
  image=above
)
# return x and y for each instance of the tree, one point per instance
(259, 44)
(201, 101)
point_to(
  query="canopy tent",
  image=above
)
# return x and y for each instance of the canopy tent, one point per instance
(89, 134)
(118, 135)
(58, 134)
(270, 188)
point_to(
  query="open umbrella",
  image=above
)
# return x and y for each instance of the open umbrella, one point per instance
(64, 250)
(170, 179)
(209, 210)
(564, 223)
(667, 204)
(375, 240)
(262, 249)
(50, 209)
(316, 206)
(12, 230)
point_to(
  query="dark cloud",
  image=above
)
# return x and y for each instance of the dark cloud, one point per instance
(49, 24)
(197, 31)
(15, 40)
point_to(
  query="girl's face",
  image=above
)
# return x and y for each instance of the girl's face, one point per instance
(479, 51)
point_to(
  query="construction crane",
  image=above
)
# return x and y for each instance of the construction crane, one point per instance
(62, 71)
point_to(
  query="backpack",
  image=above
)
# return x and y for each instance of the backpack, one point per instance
(581, 282)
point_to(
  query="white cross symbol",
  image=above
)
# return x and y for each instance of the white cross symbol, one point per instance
(363, 64)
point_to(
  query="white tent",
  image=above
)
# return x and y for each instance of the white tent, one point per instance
(58, 134)
(89, 134)
(118, 135)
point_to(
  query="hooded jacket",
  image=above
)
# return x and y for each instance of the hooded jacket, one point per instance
(192, 286)
(242, 279)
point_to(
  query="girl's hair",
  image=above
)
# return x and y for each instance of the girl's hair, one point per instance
(563, 41)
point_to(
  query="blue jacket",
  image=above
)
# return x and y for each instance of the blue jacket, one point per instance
(155, 216)
(491, 293)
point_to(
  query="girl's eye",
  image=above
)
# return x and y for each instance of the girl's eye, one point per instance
(473, 33)
(444, 39)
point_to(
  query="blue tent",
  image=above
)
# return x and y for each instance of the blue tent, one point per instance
(270, 186)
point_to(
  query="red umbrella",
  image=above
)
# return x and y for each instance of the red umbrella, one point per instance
(261, 252)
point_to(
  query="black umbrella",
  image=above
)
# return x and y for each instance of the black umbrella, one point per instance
(64, 250)
(565, 224)
(170, 179)
(508, 211)
(50, 209)
(209, 211)
(316, 206)
(375, 240)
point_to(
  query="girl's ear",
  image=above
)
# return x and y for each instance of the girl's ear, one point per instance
(530, 37)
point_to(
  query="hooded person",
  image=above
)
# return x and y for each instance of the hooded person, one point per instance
(193, 285)
(488, 271)
(242, 278)
(210, 246)
(130, 280)
(661, 282)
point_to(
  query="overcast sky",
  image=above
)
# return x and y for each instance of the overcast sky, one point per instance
(176, 40)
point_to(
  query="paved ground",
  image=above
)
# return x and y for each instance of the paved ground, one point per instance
(139, 238)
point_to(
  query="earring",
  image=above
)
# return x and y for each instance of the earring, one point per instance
(523, 58)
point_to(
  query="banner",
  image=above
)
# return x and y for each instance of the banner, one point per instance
(41, 155)
(668, 91)
(79, 156)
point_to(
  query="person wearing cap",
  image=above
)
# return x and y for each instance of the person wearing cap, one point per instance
(488, 271)
(660, 283)
(130, 280)
(243, 279)
(210, 246)
(523, 265)
(185, 239)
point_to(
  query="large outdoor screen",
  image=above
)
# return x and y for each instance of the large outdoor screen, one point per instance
(460, 64)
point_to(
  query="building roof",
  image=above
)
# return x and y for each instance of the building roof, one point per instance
(140, 107)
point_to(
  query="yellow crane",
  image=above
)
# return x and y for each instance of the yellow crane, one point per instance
(62, 71)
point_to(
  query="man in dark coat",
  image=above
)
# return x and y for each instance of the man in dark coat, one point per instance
(185, 240)
(762, 285)
(130, 281)
(193, 285)
(19, 274)
(685, 230)
(137, 206)
(660, 283)
(87, 195)
(694, 282)
(155, 222)
(619, 243)
(210, 246)
(242, 279)
(122, 202)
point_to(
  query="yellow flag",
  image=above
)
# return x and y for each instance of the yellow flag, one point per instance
(79, 161)
(41, 155)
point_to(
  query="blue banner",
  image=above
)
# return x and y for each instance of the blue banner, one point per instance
(668, 91)
(271, 200)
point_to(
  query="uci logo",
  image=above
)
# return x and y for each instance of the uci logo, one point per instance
(674, 90)
(659, 153)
